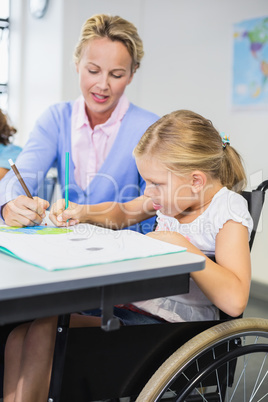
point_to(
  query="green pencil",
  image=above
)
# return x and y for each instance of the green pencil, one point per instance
(66, 180)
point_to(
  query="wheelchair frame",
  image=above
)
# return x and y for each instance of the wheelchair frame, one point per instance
(119, 363)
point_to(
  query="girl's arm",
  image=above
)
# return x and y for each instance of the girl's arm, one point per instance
(112, 215)
(3, 172)
(227, 282)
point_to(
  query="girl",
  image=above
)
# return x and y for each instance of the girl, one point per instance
(189, 173)
(192, 179)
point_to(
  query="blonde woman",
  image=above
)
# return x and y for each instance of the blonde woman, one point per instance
(100, 129)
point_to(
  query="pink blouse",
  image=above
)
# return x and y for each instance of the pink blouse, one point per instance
(90, 147)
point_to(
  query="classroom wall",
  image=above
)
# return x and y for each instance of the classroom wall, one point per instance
(36, 47)
(187, 64)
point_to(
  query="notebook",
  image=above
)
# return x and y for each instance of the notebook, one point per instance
(54, 248)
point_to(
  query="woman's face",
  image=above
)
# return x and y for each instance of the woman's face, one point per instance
(104, 72)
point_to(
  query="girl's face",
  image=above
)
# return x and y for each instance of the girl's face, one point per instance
(171, 194)
(104, 72)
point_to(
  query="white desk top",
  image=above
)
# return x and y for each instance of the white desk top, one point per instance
(17, 274)
(27, 291)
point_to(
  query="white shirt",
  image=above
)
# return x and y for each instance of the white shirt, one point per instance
(194, 306)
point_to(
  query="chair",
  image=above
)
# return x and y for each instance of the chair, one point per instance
(190, 361)
(46, 190)
(255, 201)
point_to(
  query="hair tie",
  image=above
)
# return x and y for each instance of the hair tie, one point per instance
(225, 141)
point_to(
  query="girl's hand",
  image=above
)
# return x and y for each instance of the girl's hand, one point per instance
(65, 217)
(25, 211)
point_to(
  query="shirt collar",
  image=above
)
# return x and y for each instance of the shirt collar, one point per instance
(117, 114)
(81, 116)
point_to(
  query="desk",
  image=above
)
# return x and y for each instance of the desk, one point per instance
(28, 292)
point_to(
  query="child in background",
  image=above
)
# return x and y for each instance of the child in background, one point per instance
(190, 175)
(7, 150)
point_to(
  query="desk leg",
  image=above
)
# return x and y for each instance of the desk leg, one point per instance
(59, 358)
(108, 321)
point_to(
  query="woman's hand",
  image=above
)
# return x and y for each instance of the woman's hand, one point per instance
(65, 217)
(25, 211)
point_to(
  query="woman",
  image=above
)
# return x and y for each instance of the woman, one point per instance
(100, 129)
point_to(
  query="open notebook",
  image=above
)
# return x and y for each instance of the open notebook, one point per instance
(55, 248)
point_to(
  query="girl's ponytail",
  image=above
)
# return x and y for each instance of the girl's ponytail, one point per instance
(232, 173)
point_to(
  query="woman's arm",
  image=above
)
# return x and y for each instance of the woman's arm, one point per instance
(33, 163)
(227, 282)
(112, 215)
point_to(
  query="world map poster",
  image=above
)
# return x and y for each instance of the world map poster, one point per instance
(250, 63)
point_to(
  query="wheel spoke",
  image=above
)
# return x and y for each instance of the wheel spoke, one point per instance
(213, 367)
(217, 376)
(255, 390)
(246, 359)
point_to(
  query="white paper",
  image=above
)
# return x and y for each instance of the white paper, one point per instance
(84, 244)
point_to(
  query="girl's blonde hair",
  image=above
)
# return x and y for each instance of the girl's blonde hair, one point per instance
(114, 28)
(184, 141)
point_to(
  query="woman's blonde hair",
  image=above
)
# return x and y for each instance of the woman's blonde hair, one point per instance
(184, 141)
(114, 28)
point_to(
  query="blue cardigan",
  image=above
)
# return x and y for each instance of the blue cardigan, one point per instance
(117, 180)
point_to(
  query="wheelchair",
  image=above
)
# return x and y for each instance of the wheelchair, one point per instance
(217, 361)
(224, 363)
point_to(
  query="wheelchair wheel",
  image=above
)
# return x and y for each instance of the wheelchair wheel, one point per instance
(228, 362)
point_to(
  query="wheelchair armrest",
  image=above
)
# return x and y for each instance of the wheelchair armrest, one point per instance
(211, 257)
